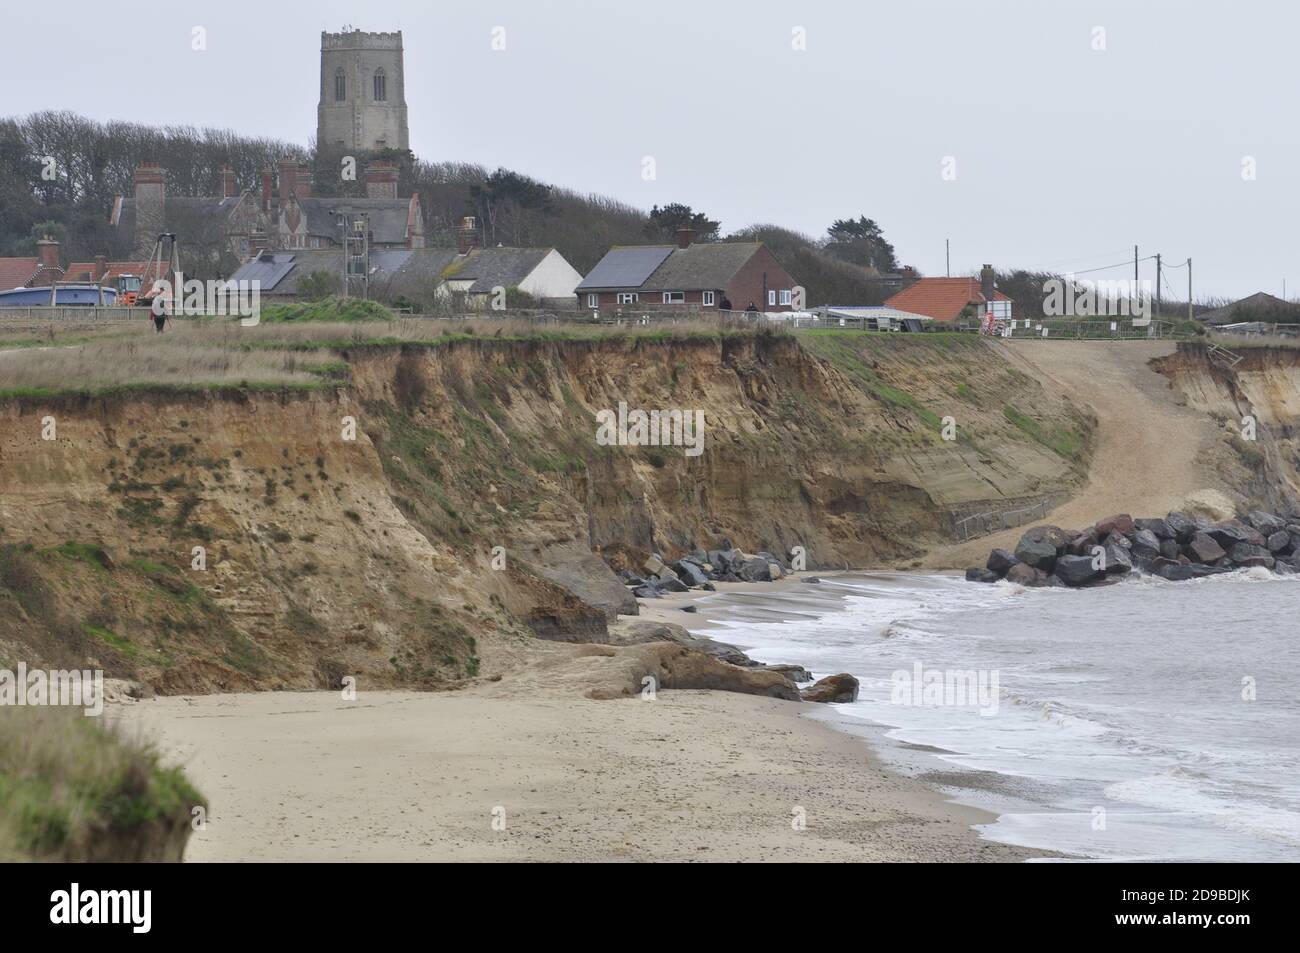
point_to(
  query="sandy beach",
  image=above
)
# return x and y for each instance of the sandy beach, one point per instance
(687, 776)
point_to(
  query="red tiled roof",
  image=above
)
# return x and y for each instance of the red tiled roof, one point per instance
(941, 298)
(85, 270)
(16, 272)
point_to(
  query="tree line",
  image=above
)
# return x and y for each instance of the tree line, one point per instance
(60, 173)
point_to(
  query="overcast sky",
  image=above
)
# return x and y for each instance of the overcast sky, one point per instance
(1065, 155)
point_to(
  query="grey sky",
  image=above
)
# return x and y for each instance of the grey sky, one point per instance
(1065, 156)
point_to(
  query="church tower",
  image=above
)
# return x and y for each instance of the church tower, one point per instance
(362, 92)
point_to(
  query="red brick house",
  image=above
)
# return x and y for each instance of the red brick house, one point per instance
(688, 276)
(944, 299)
(39, 272)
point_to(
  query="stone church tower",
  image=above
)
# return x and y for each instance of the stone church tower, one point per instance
(362, 92)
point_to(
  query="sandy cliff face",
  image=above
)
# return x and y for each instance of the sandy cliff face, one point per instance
(463, 518)
(1264, 388)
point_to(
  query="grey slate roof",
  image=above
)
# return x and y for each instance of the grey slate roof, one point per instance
(387, 216)
(703, 267)
(626, 266)
(393, 272)
(182, 211)
(497, 267)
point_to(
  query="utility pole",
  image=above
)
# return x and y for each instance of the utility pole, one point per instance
(1189, 289)
(947, 259)
(1135, 268)
(1157, 285)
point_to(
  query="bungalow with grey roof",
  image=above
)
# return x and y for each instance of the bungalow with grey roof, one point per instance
(722, 275)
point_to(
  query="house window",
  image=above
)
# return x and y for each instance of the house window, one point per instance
(381, 86)
(708, 299)
(785, 295)
(674, 297)
(627, 297)
(340, 85)
(593, 300)
(771, 299)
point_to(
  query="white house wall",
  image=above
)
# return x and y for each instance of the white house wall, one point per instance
(552, 278)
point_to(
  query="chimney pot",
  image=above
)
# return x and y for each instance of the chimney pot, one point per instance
(47, 250)
(986, 282)
(467, 235)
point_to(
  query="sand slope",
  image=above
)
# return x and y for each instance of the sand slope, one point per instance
(1149, 448)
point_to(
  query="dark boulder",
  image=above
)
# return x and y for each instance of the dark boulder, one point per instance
(671, 584)
(841, 689)
(1265, 522)
(1075, 570)
(1203, 549)
(1039, 547)
(1025, 575)
(1174, 572)
(1181, 526)
(1146, 539)
(1119, 523)
(1169, 548)
(1158, 526)
(1116, 558)
(1054, 535)
(1000, 561)
(1252, 562)
(1279, 542)
(1199, 571)
(976, 574)
(1230, 533)
(1082, 544)
(647, 592)
(758, 569)
(1242, 553)
(690, 573)
(796, 673)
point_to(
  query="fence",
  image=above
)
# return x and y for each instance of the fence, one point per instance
(982, 524)
(1105, 329)
(74, 312)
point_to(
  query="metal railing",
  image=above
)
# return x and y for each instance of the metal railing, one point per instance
(982, 524)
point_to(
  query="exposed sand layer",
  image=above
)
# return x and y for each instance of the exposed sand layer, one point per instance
(403, 776)
(1149, 446)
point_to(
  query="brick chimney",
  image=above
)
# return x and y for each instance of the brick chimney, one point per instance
(986, 282)
(381, 179)
(466, 235)
(101, 268)
(47, 251)
(229, 188)
(150, 202)
(295, 178)
(685, 236)
(266, 190)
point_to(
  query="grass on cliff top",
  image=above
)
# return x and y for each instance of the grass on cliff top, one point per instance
(207, 354)
(67, 780)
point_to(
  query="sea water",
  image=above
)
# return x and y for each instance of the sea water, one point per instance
(1148, 720)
